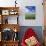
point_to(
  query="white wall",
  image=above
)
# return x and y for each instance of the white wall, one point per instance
(22, 3)
(39, 13)
(6, 3)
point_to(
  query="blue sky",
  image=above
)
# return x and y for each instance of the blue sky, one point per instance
(31, 8)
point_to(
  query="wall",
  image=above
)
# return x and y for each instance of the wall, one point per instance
(39, 13)
(7, 3)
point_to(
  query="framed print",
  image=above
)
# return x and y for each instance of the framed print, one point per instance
(30, 12)
(5, 12)
(12, 12)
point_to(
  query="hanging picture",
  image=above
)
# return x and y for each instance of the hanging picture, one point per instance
(30, 12)
(5, 12)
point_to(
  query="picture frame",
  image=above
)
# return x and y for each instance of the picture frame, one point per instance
(12, 12)
(30, 12)
(5, 12)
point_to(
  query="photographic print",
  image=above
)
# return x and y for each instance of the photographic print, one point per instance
(30, 12)
(5, 12)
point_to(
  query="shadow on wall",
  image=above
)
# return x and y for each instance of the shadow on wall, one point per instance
(37, 29)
